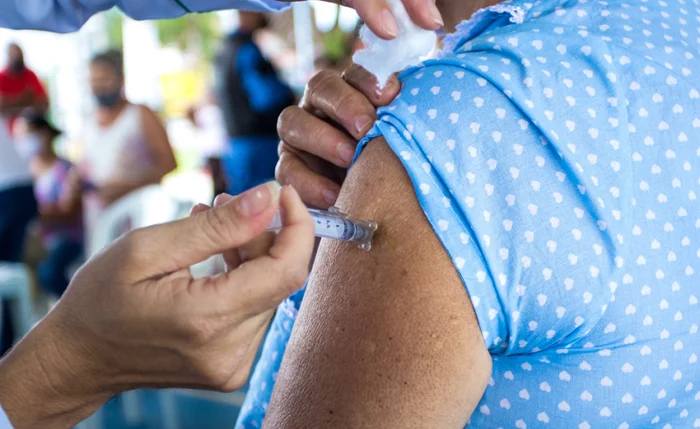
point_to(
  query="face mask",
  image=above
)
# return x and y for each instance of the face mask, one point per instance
(108, 100)
(28, 146)
(17, 66)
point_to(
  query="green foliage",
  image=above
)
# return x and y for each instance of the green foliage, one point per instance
(115, 29)
(192, 32)
(335, 44)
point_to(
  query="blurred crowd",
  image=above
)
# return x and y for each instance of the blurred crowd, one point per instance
(50, 215)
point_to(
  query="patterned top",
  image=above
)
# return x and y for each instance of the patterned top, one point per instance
(49, 189)
(555, 148)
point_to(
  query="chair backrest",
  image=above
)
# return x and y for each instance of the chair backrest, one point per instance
(144, 207)
(13, 275)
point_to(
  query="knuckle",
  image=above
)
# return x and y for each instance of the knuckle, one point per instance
(319, 84)
(220, 223)
(321, 79)
(286, 120)
(282, 170)
(295, 276)
(356, 76)
(345, 100)
(348, 72)
(281, 148)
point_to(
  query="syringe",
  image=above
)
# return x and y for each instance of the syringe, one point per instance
(335, 225)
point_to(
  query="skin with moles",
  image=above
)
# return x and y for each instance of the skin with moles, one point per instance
(369, 345)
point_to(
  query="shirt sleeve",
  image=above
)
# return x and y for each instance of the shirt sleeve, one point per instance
(4, 421)
(496, 193)
(65, 16)
(260, 82)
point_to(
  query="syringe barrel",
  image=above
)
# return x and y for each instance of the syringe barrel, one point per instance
(325, 225)
(336, 226)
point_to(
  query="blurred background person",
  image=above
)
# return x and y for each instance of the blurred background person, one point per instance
(61, 228)
(251, 96)
(211, 138)
(17, 209)
(126, 146)
(338, 48)
(20, 88)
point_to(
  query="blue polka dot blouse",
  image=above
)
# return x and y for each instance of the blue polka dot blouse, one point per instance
(554, 147)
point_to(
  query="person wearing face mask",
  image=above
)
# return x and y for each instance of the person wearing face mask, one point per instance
(125, 145)
(59, 205)
(20, 88)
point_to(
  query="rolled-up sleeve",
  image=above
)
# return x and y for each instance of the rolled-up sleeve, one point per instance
(65, 16)
(4, 421)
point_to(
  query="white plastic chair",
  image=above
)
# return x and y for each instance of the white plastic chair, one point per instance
(144, 207)
(15, 285)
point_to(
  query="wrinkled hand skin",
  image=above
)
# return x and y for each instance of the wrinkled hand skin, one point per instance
(319, 137)
(135, 317)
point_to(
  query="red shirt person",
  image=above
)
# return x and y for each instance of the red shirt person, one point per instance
(20, 88)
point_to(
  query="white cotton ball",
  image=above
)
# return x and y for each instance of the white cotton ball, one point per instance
(382, 57)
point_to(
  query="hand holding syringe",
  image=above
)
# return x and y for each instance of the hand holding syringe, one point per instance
(335, 225)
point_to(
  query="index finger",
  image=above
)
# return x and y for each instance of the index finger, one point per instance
(172, 246)
(365, 82)
(261, 284)
(329, 93)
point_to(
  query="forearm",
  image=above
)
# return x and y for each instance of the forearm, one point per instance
(46, 381)
(64, 16)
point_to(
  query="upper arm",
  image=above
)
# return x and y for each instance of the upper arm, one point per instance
(157, 140)
(386, 338)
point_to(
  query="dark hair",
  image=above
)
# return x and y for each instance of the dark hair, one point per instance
(112, 59)
(39, 122)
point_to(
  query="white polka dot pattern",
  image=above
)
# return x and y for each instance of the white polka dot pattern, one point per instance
(557, 161)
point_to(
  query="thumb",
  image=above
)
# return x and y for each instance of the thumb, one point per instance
(177, 245)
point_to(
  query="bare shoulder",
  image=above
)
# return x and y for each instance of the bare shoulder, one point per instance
(386, 338)
(146, 112)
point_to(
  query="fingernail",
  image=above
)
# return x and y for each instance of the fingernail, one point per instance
(389, 23)
(361, 122)
(389, 84)
(330, 197)
(435, 13)
(259, 199)
(346, 152)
